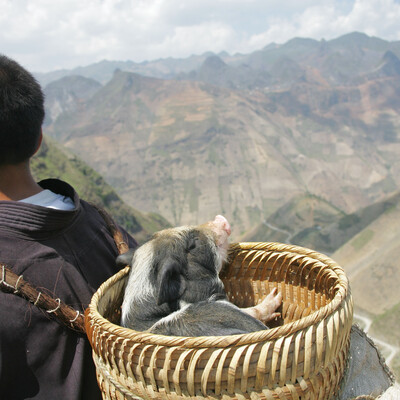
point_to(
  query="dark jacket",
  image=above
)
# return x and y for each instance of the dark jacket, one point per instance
(68, 254)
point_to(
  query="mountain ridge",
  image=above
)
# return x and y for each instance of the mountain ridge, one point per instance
(171, 68)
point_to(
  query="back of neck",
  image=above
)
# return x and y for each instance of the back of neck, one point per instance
(16, 182)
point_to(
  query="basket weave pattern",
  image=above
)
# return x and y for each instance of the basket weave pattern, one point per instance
(302, 358)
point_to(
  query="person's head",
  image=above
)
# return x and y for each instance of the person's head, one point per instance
(21, 113)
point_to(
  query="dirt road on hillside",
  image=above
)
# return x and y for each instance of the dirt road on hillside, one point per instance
(275, 228)
(388, 351)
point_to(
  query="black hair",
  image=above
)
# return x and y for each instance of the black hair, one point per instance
(21, 112)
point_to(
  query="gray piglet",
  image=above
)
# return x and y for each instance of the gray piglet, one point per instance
(174, 287)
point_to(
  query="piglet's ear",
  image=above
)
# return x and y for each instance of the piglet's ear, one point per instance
(171, 284)
(125, 258)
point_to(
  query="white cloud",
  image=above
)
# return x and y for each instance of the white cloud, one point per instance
(330, 19)
(203, 37)
(47, 34)
(374, 17)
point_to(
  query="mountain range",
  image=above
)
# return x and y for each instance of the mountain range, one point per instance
(189, 148)
(296, 142)
(338, 61)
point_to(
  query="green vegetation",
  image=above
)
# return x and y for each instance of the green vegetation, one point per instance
(53, 162)
(214, 158)
(348, 221)
(362, 239)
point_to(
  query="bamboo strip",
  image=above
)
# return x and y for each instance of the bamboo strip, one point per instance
(302, 359)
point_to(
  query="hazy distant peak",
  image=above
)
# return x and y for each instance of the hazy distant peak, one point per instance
(390, 57)
(207, 54)
(214, 63)
(131, 82)
(301, 43)
(354, 36)
(223, 54)
(359, 39)
(128, 75)
(74, 81)
(390, 64)
(286, 68)
(66, 93)
(270, 46)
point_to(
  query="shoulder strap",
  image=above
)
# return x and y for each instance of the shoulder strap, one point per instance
(122, 246)
(73, 319)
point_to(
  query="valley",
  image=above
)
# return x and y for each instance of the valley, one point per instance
(296, 142)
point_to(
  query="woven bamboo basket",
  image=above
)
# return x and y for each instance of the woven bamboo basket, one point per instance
(303, 357)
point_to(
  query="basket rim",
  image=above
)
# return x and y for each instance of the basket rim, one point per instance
(342, 296)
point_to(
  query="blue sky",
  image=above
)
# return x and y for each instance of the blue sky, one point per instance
(45, 35)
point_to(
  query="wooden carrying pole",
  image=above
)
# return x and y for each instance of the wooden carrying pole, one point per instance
(13, 283)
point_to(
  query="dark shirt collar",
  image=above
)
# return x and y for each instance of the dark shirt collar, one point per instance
(36, 222)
